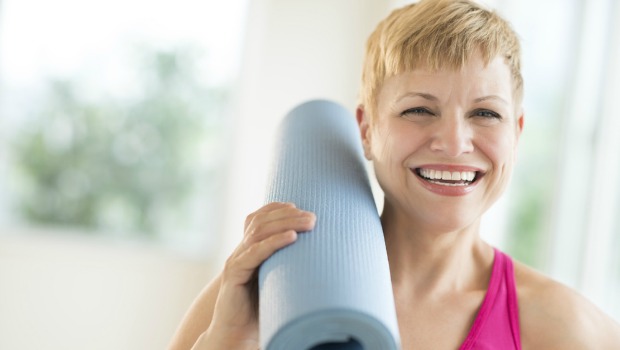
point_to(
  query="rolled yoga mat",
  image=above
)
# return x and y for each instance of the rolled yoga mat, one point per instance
(331, 289)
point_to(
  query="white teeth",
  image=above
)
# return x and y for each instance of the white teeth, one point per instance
(432, 174)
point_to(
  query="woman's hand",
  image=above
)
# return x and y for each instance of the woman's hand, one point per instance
(234, 324)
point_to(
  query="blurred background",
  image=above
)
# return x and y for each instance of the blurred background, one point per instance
(135, 137)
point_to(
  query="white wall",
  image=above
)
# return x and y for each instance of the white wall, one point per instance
(62, 291)
(295, 51)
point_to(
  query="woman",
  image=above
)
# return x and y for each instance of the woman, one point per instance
(440, 117)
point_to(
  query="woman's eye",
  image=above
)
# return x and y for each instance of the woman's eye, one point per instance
(417, 111)
(485, 113)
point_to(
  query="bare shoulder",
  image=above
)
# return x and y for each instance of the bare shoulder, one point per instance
(553, 316)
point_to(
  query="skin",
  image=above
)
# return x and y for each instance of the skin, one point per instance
(440, 267)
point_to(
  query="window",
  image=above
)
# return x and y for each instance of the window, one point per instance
(114, 116)
(563, 204)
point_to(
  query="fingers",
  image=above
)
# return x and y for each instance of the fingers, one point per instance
(267, 230)
(254, 255)
(277, 218)
(272, 211)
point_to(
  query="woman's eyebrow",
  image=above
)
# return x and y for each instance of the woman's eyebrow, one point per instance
(434, 98)
(490, 97)
(419, 94)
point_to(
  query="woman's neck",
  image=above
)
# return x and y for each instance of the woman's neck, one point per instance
(430, 260)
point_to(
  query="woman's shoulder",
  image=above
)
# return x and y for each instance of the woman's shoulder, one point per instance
(554, 316)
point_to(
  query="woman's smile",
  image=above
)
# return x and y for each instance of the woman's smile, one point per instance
(448, 180)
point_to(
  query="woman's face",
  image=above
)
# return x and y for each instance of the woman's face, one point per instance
(443, 143)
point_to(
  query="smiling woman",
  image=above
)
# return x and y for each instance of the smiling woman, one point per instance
(551, 218)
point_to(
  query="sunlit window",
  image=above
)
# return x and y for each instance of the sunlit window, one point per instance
(563, 208)
(546, 80)
(114, 116)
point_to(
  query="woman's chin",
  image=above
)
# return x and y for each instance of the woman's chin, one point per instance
(424, 218)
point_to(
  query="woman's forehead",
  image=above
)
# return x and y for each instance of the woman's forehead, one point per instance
(473, 78)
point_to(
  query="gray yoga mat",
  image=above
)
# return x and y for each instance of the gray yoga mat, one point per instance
(331, 289)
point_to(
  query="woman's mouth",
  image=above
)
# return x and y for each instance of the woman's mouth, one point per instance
(450, 182)
(448, 178)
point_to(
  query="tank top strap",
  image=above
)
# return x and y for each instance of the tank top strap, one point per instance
(497, 323)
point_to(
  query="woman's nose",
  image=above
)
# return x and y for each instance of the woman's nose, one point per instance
(452, 136)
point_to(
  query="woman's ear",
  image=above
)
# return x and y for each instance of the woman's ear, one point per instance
(364, 125)
(519, 125)
(519, 131)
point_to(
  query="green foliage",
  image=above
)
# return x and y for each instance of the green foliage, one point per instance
(534, 183)
(127, 164)
(527, 225)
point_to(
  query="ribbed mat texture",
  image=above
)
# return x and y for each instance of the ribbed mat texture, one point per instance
(331, 289)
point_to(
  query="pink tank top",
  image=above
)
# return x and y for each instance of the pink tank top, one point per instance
(497, 324)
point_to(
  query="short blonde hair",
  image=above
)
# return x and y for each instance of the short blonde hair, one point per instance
(436, 34)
